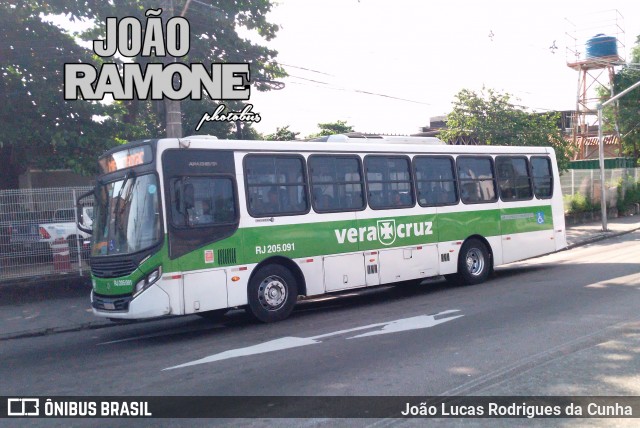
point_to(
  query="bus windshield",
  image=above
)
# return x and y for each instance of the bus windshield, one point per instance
(127, 216)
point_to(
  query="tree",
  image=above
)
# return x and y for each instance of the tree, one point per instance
(214, 39)
(42, 130)
(282, 134)
(494, 120)
(331, 128)
(628, 107)
(39, 128)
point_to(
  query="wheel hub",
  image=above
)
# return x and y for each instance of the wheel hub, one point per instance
(475, 262)
(272, 293)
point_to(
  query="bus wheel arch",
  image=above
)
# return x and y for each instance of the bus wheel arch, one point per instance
(273, 289)
(475, 261)
(289, 264)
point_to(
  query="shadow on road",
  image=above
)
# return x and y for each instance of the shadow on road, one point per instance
(60, 288)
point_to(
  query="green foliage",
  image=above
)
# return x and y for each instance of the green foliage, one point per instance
(627, 107)
(42, 130)
(282, 134)
(331, 128)
(579, 203)
(250, 133)
(39, 128)
(493, 119)
(214, 38)
(628, 196)
(192, 113)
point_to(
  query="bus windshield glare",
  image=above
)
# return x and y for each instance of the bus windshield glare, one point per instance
(127, 216)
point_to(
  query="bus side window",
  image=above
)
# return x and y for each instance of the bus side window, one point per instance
(276, 185)
(336, 182)
(542, 177)
(477, 179)
(435, 180)
(202, 201)
(391, 176)
(513, 178)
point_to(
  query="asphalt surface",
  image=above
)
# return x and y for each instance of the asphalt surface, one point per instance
(562, 324)
(35, 309)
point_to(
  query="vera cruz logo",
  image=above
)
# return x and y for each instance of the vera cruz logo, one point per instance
(385, 231)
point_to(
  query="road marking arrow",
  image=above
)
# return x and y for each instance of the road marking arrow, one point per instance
(405, 324)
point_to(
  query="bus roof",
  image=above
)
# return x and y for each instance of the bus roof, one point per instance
(348, 145)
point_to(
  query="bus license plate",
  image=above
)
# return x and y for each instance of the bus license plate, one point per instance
(109, 306)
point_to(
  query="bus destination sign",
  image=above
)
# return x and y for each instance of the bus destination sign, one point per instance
(125, 159)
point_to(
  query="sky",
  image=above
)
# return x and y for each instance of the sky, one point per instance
(416, 55)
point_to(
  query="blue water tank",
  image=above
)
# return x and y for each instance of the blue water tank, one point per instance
(601, 46)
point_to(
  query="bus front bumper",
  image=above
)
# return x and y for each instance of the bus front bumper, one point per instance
(151, 303)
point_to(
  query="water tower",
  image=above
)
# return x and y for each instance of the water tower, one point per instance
(595, 46)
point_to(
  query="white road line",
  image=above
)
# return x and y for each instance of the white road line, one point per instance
(405, 324)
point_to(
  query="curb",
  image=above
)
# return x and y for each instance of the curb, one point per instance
(600, 237)
(55, 330)
(92, 325)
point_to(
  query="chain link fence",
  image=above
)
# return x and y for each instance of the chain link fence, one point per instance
(587, 183)
(39, 236)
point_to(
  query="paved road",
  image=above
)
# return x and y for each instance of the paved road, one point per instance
(563, 324)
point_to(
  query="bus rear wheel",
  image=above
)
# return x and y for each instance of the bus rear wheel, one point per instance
(474, 263)
(272, 293)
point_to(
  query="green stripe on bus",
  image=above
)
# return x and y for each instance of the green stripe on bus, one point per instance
(254, 244)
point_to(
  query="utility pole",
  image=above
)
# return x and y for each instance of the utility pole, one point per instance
(173, 113)
(603, 196)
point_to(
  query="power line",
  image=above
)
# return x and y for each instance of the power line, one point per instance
(338, 88)
(306, 69)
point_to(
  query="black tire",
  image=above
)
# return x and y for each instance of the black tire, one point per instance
(474, 263)
(215, 315)
(272, 293)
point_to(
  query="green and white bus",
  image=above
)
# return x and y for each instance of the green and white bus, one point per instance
(198, 225)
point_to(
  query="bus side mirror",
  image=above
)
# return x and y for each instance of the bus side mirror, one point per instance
(80, 215)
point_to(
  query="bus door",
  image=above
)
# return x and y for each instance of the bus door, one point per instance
(202, 208)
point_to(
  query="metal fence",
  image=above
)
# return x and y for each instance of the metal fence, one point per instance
(587, 182)
(39, 237)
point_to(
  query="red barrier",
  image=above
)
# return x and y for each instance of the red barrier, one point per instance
(61, 258)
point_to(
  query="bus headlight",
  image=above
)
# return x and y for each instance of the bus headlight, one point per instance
(145, 282)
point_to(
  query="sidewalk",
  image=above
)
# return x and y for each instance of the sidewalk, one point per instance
(36, 309)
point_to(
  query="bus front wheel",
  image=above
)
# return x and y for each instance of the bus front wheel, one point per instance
(474, 263)
(272, 293)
